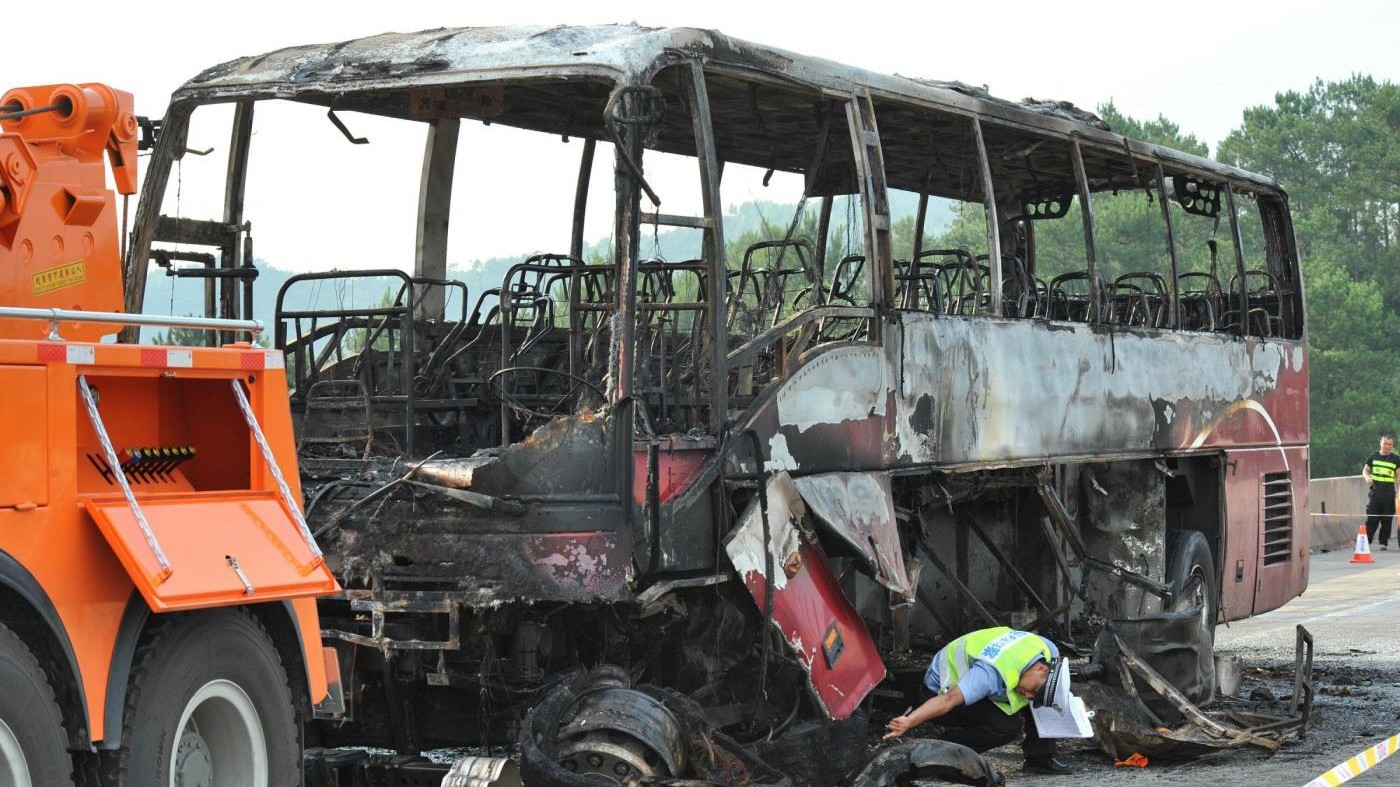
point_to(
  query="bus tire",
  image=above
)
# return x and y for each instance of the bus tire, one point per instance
(208, 703)
(1191, 575)
(33, 743)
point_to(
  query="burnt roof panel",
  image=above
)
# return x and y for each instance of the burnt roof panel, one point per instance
(622, 54)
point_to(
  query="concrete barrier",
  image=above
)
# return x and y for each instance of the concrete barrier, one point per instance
(1338, 508)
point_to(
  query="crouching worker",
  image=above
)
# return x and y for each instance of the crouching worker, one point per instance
(982, 685)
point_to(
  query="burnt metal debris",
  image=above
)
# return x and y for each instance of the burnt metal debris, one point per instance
(768, 486)
(1125, 721)
(595, 729)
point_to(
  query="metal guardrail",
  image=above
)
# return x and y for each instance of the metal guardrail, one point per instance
(56, 316)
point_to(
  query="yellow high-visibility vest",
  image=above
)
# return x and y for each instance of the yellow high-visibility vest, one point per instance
(1383, 471)
(1007, 650)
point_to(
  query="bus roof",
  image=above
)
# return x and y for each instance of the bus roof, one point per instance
(333, 73)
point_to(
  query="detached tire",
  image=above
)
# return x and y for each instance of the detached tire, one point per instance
(33, 743)
(209, 705)
(1191, 575)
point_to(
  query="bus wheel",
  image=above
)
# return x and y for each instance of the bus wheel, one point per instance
(33, 743)
(1191, 575)
(209, 705)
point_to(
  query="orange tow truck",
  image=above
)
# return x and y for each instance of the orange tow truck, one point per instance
(158, 621)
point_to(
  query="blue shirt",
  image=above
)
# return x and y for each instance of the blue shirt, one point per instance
(981, 680)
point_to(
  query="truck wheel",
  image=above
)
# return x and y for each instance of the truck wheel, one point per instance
(33, 743)
(209, 705)
(1191, 575)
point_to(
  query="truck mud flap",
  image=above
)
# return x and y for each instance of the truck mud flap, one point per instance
(808, 608)
(708, 756)
(260, 553)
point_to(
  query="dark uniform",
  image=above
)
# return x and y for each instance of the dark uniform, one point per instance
(1380, 508)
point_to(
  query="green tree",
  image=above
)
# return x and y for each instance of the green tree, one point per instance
(381, 330)
(1159, 132)
(182, 337)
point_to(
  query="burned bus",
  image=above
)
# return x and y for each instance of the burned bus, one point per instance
(995, 364)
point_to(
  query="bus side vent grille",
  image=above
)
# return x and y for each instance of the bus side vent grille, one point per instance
(1277, 511)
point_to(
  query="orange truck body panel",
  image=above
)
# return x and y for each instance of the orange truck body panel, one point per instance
(198, 474)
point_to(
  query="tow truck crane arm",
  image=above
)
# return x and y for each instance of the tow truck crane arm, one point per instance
(58, 233)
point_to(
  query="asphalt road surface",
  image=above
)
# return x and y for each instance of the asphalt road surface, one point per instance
(1353, 612)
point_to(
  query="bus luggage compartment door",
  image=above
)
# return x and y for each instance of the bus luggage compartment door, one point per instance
(816, 620)
(1267, 538)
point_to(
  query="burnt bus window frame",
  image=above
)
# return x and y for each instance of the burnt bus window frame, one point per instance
(1113, 170)
(989, 197)
(1091, 249)
(1241, 278)
(1280, 248)
(1280, 260)
(872, 187)
(688, 83)
(1280, 254)
(934, 152)
(1174, 291)
(867, 183)
(1025, 184)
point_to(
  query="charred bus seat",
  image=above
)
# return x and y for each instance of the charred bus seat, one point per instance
(1140, 300)
(1202, 301)
(1071, 297)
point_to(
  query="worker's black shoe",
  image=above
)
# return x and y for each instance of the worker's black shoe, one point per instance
(1047, 764)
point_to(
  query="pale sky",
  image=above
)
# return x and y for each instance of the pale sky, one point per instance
(1199, 64)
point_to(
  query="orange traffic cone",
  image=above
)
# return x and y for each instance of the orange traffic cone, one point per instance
(1363, 548)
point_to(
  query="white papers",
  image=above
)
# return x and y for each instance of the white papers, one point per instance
(1065, 716)
(1073, 722)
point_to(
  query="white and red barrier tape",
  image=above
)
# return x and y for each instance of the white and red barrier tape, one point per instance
(1358, 765)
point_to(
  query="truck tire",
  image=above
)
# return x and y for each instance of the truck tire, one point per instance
(33, 743)
(208, 704)
(1191, 575)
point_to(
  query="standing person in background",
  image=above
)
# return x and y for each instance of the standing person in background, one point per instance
(1379, 472)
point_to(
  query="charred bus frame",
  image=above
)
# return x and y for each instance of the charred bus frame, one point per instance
(1067, 448)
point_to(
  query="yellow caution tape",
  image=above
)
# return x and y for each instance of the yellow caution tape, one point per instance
(1357, 765)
